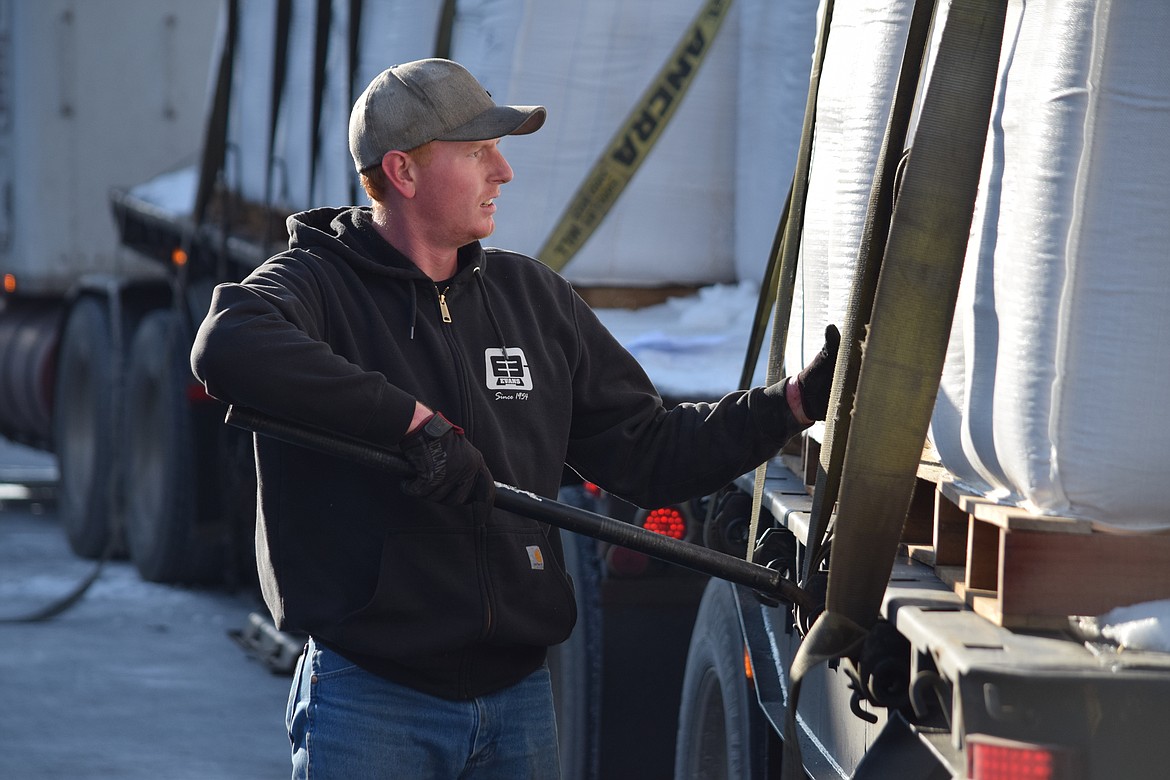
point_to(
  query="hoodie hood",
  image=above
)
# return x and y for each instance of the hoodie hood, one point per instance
(349, 234)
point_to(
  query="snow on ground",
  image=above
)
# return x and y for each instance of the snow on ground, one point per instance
(692, 347)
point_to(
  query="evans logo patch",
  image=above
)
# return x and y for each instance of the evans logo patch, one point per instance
(507, 369)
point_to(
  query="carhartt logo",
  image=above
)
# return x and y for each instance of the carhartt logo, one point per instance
(535, 558)
(507, 370)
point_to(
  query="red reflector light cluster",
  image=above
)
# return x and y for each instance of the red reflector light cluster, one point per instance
(995, 759)
(197, 392)
(667, 521)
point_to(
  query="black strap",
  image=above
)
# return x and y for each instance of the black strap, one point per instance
(446, 27)
(215, 134)
(322, 28)
(354, 54)
(59, 605)
(276, 99)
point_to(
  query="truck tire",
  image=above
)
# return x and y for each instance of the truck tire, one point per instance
(164, 539)
(718, 719)
(28, 337)
(83, 428)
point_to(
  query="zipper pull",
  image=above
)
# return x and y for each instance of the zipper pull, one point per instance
(443, 304)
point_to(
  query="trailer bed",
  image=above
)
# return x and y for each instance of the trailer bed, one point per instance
(1050, 683)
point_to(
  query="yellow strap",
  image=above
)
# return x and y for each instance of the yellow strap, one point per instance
(627, 150)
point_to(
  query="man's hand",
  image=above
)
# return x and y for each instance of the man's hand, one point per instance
(450, 468)
(816, 380)
(806, 395)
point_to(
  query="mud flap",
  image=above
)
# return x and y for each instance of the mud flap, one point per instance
(899, 751)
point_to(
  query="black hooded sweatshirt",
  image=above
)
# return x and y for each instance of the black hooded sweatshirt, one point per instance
(343, 332)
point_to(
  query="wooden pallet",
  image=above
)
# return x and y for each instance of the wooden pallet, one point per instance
(1022, 570)
(1017, 569)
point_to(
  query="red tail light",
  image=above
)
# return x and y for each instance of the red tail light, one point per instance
(197, 393)
(667, 521)
(993, 758)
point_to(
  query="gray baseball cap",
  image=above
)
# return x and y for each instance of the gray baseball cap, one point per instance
(429, 100)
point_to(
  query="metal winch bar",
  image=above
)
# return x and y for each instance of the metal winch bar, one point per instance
(570, 518)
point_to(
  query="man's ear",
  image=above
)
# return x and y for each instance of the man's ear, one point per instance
(399, 170)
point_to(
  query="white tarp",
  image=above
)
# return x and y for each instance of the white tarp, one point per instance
(589, 63)
(335, 183)
(702, 208)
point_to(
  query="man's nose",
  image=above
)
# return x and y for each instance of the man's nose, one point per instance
(503, 170)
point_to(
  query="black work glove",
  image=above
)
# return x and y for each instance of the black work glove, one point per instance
(449, 468)
(816, 380)
(807, 392)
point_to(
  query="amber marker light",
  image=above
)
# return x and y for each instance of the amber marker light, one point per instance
(179, 256)
(9, 283)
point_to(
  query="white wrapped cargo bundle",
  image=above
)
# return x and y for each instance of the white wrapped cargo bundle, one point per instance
(704, 204)
(1054, 393)
(857, 86)
(589, 63)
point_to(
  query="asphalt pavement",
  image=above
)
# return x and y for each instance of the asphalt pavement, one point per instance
(136, 681)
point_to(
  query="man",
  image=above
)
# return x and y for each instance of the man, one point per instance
(430, 611)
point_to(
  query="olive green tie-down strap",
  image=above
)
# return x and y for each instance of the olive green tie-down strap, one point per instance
(780, 276)
(779, 280)
(863, 286)
(903, 353)
(769, 293)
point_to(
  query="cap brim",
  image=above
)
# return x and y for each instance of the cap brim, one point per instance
(497, 122)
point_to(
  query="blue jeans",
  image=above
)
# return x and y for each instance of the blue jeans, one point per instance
(347, 723)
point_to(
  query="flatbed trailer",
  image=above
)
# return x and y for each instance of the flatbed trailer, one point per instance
(962, 688)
